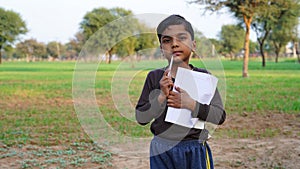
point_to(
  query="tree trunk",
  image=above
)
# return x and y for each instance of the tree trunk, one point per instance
(277, 56)
(109, 56)
(294, 49)
(247, 21)
(296, 44)
(262, 54)
(0, 54)
(277, 50)
(132, 60)
(261, 42)
(232, 57)
(138, 57)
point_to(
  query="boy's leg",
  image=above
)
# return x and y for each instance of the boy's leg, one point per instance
(185, 155)
(159, 158)
(197, 155)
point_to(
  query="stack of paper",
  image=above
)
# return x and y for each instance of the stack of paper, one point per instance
(201, 87)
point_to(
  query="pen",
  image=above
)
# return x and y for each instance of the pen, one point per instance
(170, 67)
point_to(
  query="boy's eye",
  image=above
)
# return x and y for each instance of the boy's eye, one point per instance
(182, 38)
(166, 40)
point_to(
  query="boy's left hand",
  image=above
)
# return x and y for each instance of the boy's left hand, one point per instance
(181, 99)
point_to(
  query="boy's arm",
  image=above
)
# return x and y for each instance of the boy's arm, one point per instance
(148, 106)
(213, 113)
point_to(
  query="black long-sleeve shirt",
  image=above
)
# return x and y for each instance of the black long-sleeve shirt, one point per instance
(148, 108)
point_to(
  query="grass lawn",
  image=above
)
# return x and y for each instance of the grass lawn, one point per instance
(36, 105)
(36, 98)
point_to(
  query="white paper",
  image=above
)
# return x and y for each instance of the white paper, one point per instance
(201, 87)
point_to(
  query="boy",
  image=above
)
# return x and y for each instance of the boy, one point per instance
(175, 146)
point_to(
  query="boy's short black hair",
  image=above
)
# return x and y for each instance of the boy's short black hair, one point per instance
(174, 20)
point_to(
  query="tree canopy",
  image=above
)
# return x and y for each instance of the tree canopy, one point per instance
(262, 15)
(231, 37)
(55, 49)
(114, 31)
(99, 24)
(285, 29)
(11, 26)
(244, 10)
(31, 49)
(279, 15)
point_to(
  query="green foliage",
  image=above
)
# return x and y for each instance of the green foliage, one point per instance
(281, 15)
(230, 37)
(94, 20)
(263, 15)
(11, 26)
(75, 45)
(205, 47)
(243, 10)
(103, 32)
(218, 45)
(285, 30)
(31, 48)
(55, 49)
(147, 39)
(114, 31)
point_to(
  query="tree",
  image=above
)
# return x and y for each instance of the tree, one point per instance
(281, 35)
(296, 42)
(74, 47)
(146, 39)
(204, 47)
(106, 39)
(55, 49)
(31, 49)
(244, 10)
(217, 45)
(253, 48)
(11, 26)
(278, 13)
(229, 36)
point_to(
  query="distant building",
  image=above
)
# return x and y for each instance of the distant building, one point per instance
(288, 52)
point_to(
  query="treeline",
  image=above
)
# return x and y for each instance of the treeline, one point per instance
(100, 32)
(108, 32)
(273, 20)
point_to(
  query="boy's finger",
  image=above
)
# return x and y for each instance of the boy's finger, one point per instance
(172, 93)
(179, 89)
(166, 72)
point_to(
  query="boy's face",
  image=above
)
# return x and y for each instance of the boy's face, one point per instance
(176, 41)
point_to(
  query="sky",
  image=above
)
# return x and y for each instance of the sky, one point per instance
(58, 20)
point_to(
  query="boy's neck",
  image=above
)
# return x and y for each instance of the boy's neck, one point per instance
(175, 67)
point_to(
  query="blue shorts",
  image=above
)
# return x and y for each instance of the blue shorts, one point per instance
(191, 154)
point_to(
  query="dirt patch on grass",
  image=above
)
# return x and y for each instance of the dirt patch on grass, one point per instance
(227, 153)
(260, 125)
(76, 155)
(236, 153)
(256, 153)
(259, 149)
(269, 140)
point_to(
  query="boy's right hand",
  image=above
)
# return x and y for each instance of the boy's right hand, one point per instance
(166, 85)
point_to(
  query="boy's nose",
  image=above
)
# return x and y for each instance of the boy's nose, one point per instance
(174, 43)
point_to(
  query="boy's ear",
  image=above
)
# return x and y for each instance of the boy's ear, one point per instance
(194, 45)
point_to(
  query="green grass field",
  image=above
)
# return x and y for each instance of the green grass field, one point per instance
(36, 98)
(36, 105)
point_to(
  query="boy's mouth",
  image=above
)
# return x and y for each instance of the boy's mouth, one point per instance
(177, 53)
